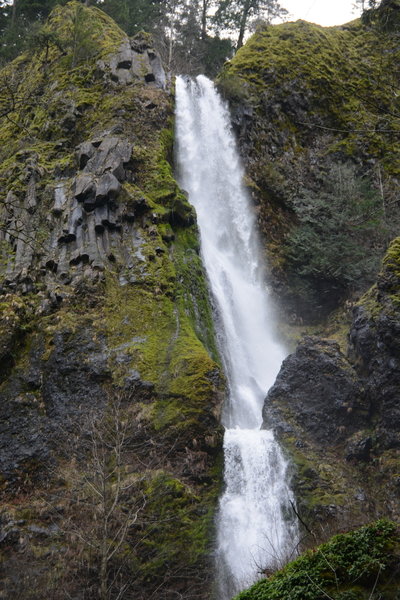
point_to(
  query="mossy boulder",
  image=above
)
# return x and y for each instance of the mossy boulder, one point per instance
(357, 565)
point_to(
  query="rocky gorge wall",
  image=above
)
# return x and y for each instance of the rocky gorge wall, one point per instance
(318, 126)
(110, 384)
(338, 414)
(317, 123)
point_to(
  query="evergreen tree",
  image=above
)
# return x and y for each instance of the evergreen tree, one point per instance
(134, 15)
(190, 47)
(339, 238)
(16, 20)
(235, 15)
(384, 16)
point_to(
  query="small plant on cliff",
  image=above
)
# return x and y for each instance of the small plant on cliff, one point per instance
(43, 39)
(82, 44)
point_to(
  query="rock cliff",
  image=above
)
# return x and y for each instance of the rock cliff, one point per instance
(318, 127)
(338, 415)
(110, 384)
(317, 122)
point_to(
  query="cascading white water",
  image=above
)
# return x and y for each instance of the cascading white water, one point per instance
(254, 526)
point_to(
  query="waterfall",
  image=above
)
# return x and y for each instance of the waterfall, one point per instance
(255, 524)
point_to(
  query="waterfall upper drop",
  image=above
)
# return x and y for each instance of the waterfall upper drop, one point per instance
(254, 527)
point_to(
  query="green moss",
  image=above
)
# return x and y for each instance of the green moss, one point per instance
(164, 348)
(384, 297)
(50, 92)
(176, 530)
(391, 261)
(104, 32)
(316, 98)
(361, 564)
(192, 292)
(16, 323)
(337, 77)
(319, 482)
(369, 301)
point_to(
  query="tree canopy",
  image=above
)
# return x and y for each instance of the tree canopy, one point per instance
(235, 15)
(192, 35)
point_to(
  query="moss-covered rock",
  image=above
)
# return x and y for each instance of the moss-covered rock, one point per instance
(314, 116)
(103, 297)
(358, 565)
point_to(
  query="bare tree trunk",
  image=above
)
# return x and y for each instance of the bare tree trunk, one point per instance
(104, 536)
(382, 191)
(204, 19)
(110, 506)
(14, 14)
(243, 24)
(171, 37)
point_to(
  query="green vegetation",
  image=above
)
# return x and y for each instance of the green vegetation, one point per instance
(175, 531)
(323, 146)
(182, 30)
(338, 236)
(236, 15)
(360, 565)
(391, 262)
(343, 73)
(384, 298)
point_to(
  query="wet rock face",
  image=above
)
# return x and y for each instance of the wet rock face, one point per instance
(319, 411)
(322, 392)
(375, 349)
(42, 402)
(376, 344)
(339, 417)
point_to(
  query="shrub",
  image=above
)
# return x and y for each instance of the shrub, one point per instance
(340, 234)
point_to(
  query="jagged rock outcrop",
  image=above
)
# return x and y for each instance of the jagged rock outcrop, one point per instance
(375, 349)
(136, 60)
(103, 306)
(318, 380)
(338, 416)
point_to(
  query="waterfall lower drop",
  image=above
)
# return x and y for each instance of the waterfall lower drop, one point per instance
(256, 527)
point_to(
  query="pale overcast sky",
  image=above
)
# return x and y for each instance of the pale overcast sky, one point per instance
(324, 12)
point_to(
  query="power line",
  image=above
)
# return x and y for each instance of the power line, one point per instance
(348, 130)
